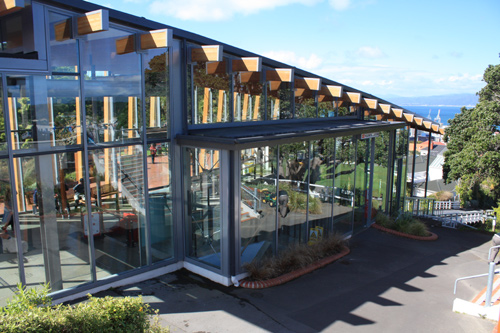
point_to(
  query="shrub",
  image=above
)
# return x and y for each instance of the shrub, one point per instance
(384, 220)
(404, 223)
(295, 257)
(31, 311)
(442, 195)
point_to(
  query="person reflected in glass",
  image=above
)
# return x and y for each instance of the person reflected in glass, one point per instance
(152, 151)
(79, 190)
(8, 216)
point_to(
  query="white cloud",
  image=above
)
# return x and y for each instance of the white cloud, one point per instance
(370, 52)
(340, 4)
(309, 63)
(205, 10)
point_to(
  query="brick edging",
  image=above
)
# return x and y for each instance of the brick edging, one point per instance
(295, 274)
(432, 236)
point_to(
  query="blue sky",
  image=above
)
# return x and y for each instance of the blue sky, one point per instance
(383, 47)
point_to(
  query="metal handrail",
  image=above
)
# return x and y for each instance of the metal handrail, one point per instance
(490, 275)
(468, 278)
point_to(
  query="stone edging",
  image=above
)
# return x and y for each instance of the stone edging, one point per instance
(295, 274)
(432, 236)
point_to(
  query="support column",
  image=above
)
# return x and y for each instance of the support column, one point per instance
(415, 137)
(428, 158)
(78, 127)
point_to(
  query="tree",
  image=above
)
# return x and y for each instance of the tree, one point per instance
(473, 156)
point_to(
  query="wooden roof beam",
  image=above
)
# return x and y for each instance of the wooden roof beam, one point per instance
(156, 39)
(217, 67)
(370, 103)
(308, 83)
(206, 53)
(427, 124)
(435, 128)
(10, 6)
(386, 108)
(328, 90)
(246, 77)
(408, 117)
(441, 130)
(280, 74)
(249, 64)
(398, 113)
(418, 120)
(352, 97)
(149, 40)
(92, 22)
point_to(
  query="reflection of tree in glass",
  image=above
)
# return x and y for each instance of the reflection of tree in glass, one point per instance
(156, 84)
(305, 106)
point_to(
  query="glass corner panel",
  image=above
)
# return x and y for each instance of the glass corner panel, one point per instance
(8, 253)
(202, 188)
(258, 203)
(160, 203)
(54, 239)
(118, 214)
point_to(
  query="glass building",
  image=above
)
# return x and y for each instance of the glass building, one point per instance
(130, 149)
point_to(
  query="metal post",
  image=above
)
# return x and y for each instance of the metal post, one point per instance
(491, 274)
(415, 136)
(427, 167)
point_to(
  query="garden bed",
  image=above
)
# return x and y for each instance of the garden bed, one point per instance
(432, 236)
(294, 274)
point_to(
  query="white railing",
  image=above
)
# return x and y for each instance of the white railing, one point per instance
(442, 205)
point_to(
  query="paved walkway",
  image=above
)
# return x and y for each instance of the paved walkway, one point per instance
(386, 284)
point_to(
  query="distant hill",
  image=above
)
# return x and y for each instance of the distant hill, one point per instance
(440, 100)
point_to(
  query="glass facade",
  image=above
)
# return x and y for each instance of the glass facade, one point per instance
(203, 222)
(94, 187)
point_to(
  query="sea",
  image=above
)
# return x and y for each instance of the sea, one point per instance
(431, 112)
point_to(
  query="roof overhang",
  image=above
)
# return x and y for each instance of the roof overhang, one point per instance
(272, 134)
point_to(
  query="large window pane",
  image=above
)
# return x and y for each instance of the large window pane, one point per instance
(363, 171)
(305, 104)
(157, 93)
(63, 48)
(117, 201)
(160, 203)
(249, 96)
(322, 166)
(202, 185)
(52, 227)
(380, 172)
(345, 162)
(400, 155)
(8, 259)
(258, 203)
(292, 196)
(279, 98)
(327, 107)
(209, 87)
(112, 89)
(44, 111)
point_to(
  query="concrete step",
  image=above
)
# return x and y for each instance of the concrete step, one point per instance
(495, 295)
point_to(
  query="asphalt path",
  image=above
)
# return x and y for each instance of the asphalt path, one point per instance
(386, 284)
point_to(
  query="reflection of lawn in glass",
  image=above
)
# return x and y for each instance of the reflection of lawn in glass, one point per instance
(346, 180)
